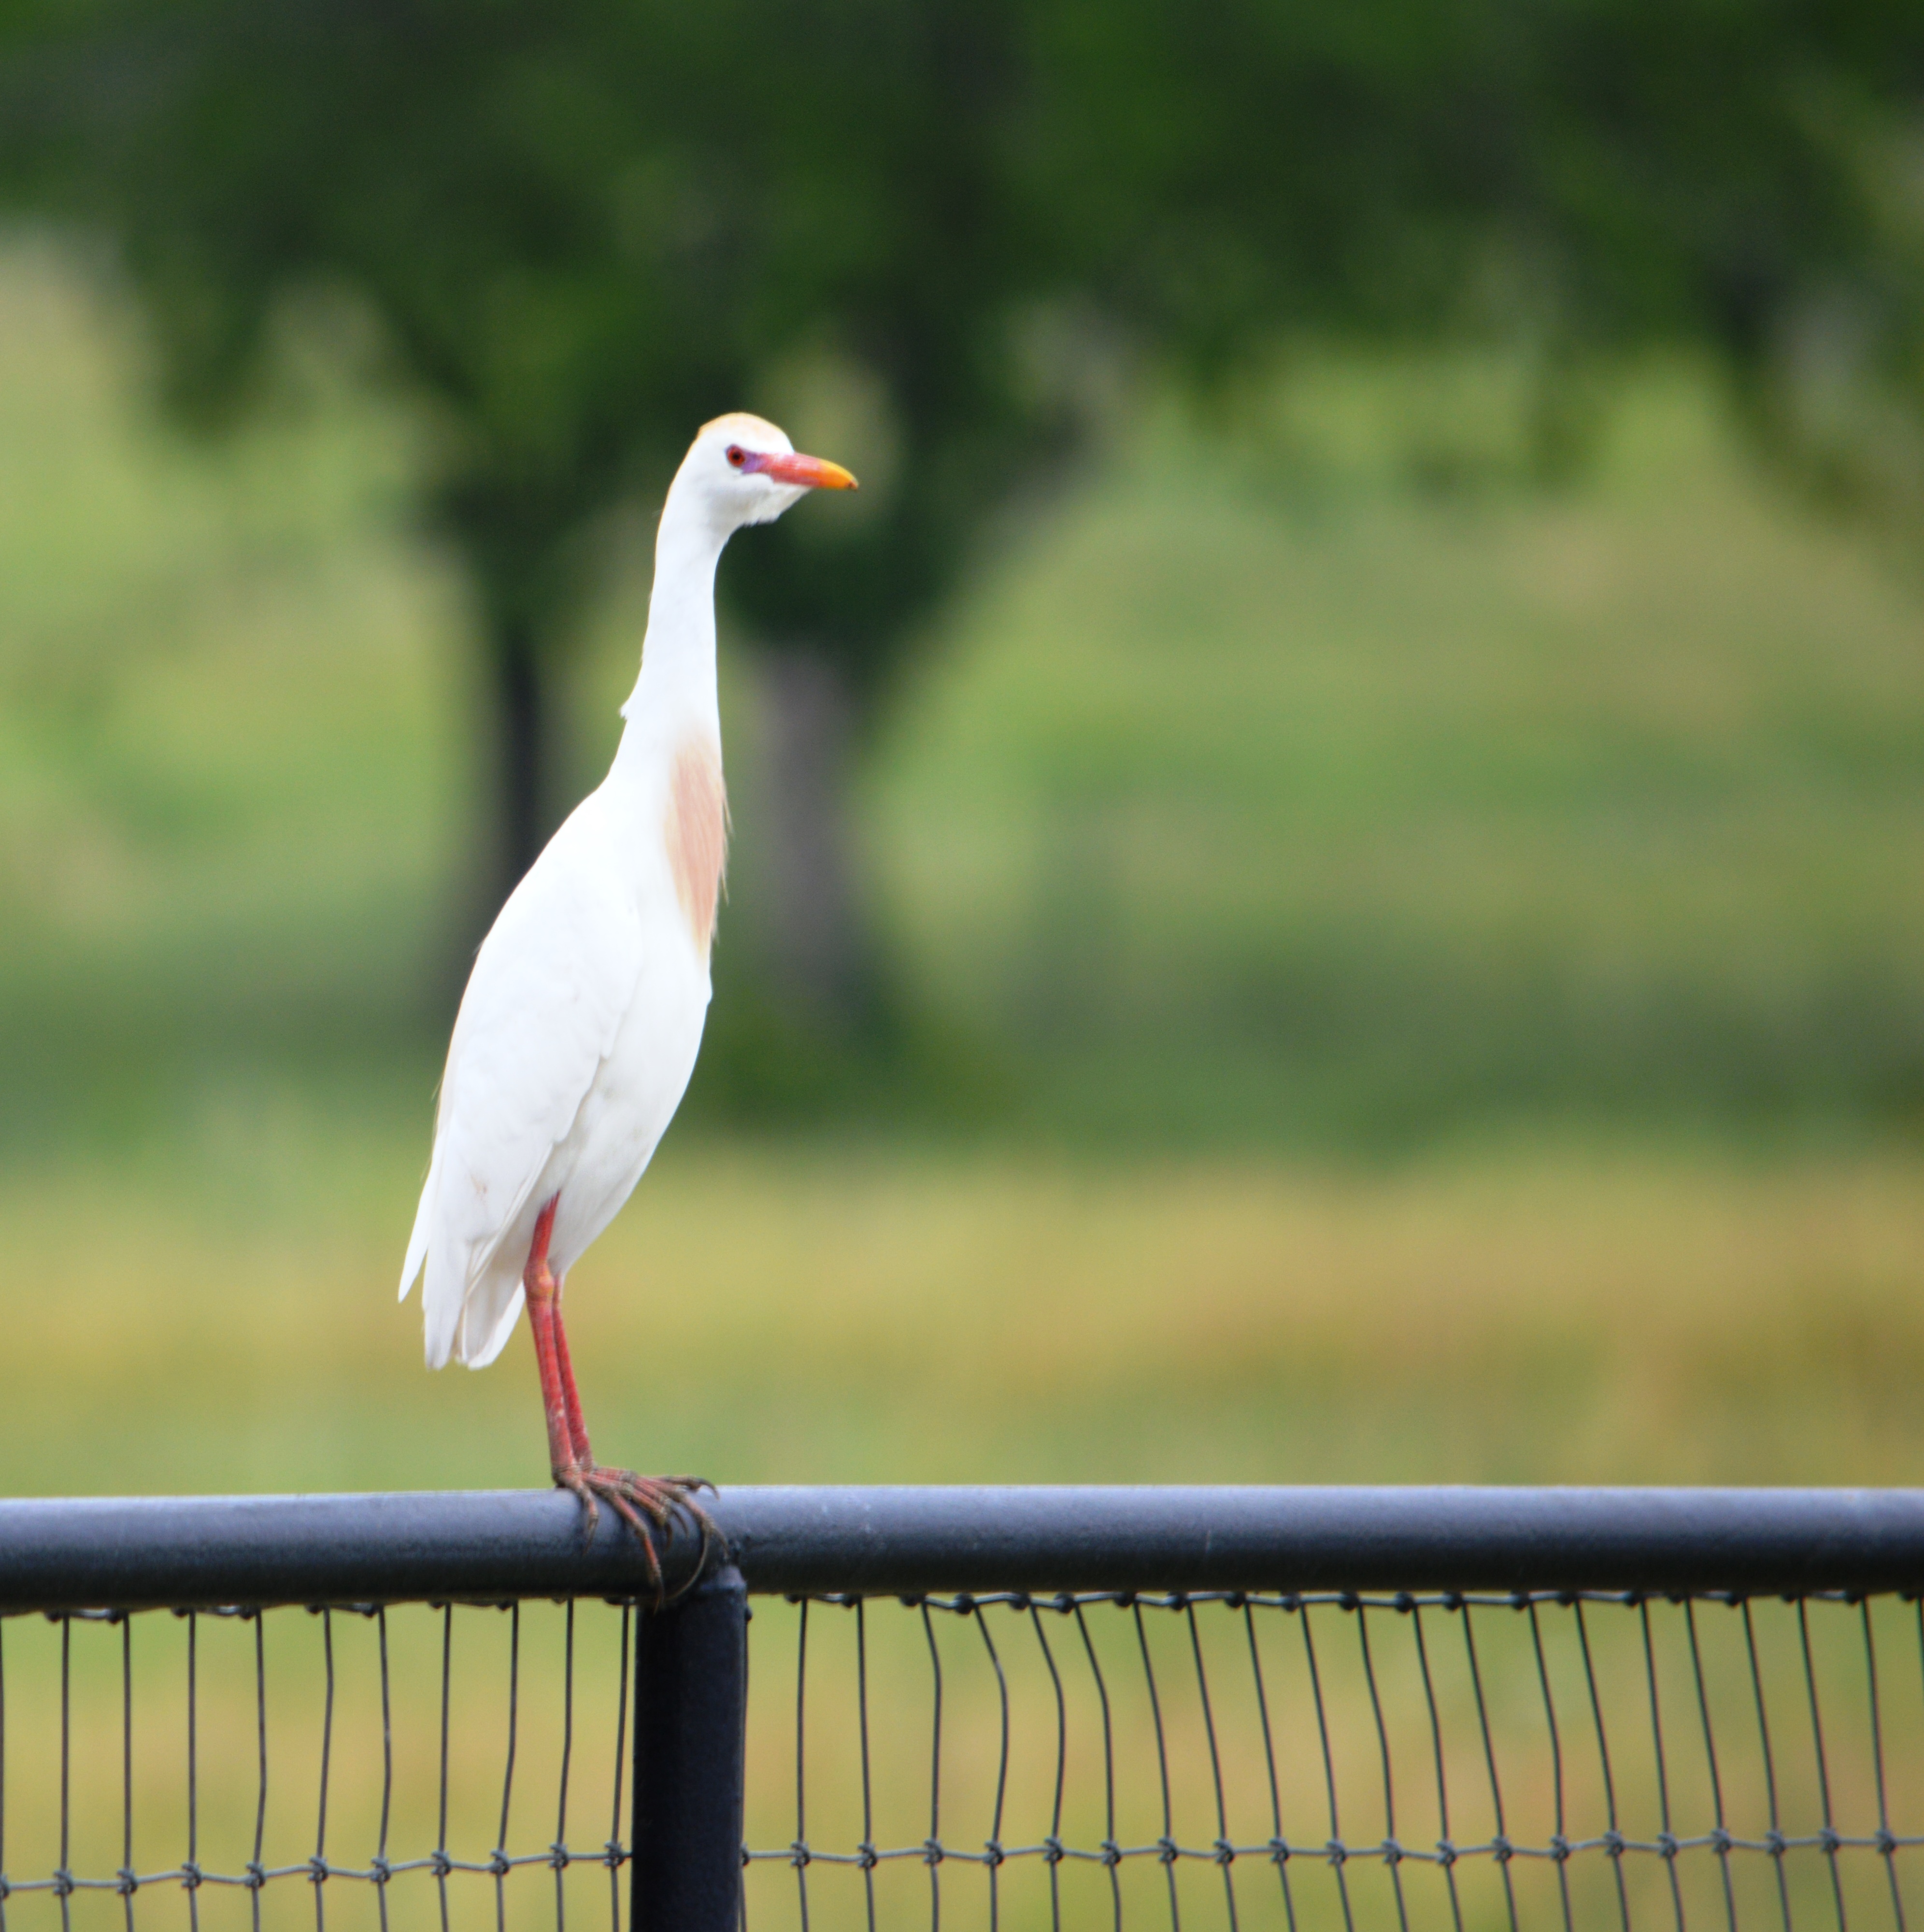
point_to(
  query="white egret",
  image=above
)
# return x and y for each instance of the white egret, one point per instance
(581, 1021)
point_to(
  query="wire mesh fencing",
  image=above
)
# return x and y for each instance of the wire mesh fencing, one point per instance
(371, 1767)
(1232, 1760)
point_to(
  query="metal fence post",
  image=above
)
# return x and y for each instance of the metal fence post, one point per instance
(691, 1708)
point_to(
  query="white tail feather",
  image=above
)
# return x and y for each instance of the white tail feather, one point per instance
(479, 1342)
(424, 1216)
(443, 1293)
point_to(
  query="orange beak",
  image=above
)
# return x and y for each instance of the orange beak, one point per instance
(808, 472)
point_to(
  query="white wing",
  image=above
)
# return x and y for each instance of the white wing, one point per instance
(553, 979)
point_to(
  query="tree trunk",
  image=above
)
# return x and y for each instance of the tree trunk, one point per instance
(520, 774)
(812, 931)
(808, 937)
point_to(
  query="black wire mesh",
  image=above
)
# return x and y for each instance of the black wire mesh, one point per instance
(1217, 1759)
(351, 1766)
(1226, 1760)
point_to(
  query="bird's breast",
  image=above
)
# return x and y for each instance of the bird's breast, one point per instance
(695, 832)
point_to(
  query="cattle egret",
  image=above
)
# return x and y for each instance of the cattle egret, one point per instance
(579, 1028)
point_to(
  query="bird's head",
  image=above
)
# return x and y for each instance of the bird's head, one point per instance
(742, 470)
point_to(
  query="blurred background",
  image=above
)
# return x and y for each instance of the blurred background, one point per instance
(1327, 879)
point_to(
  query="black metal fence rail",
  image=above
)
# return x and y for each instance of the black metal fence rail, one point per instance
(177, 1552)
(1242, 1707)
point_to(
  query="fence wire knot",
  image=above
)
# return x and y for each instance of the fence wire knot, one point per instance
(63, 1882)
(1165, 1851)
(1051, 1851)
(125, 1882)
(1559, 1847)
(865, 1856)
(1225, 1852)
(1112, 1853)
(992, 1855)
(317, 1870)
(932, 1853)
(256, 1874)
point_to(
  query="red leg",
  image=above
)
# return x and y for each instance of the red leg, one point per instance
(577, 1430)
(569, 1455)
(538, 1285)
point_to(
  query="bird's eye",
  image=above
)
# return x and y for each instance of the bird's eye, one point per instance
(736, 454)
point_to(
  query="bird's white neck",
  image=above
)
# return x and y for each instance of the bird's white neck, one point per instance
(676, 690)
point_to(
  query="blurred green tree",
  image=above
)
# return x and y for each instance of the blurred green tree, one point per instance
(586, 227)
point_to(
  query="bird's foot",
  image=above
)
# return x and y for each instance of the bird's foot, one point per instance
(659, 1498)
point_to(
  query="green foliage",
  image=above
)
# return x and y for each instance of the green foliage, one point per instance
(583, 230)
(233, 787)
(1331, 785)
(584, 226)
(930, 227)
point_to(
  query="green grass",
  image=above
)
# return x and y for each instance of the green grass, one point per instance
(1255, 793)
(226, 1321)
(222, 1318)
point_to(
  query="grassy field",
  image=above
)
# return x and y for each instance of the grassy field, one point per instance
(1366, 812)
(1534, 1318)
(773, 1314)
(1444, 961)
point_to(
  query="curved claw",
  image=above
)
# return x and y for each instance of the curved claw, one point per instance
(692, 1484)
(589, 1484)
(680, 1497)
(705, 1526)
(660, 1498)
